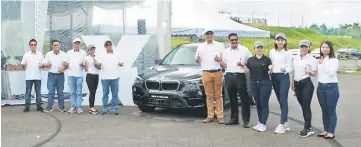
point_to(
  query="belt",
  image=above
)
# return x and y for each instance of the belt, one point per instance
(212, 70)
(235, 73)
(303, 80)
(56, 73)
(92, 74)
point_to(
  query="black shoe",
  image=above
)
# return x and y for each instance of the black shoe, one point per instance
(246, 125)
(93, 112)
(306, 132)
(26, 110)
(115, 113)
(40, 109)
(103, 113)
(232, 122)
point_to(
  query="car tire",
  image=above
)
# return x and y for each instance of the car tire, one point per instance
(146, 108)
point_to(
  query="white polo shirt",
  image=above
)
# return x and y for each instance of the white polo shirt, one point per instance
(57, 60)
(74, 58)
(90, 63)
(32, 60)
(281, 59)
(232, 56)
(207, 52)
(327, 71)
(301, 64)
(109, 66)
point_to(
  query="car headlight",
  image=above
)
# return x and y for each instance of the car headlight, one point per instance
(138, 80)
(193, 81)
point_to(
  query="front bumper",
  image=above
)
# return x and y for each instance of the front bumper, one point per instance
(190, 96)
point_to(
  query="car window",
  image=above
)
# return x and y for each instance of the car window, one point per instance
(181, 55)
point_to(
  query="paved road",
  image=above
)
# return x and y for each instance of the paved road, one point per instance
(173, 129)
(349, 64)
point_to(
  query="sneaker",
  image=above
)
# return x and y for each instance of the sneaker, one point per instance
(62, 110)
(115, 113)
(72, 110)
(287, 126)
(40, 109)
(26, 110)
(79, 111)
(208, 120)
(306, 132)
(261, 128)
(280, 129)
(48, 110)
(93, 111)
(256, 126)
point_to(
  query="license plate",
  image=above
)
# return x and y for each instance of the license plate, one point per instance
(159, 96)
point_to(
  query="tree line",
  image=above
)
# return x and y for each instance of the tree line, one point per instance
(352, 30)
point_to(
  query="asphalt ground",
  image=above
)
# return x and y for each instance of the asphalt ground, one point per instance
(175, 128)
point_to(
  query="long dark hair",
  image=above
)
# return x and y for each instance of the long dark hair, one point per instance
(284, 46)
(330, 45)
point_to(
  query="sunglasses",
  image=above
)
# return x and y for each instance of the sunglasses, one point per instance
(304, 46)
(209, 33)
(32, 44)
(234, 40)
(109, 44)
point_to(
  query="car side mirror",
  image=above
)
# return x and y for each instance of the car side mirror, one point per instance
(157, 61)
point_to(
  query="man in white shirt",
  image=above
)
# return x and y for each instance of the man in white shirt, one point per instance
(55, 61)
(32, 62)
(209, 55)
(75, 59)
(234, 60)
(109, 64)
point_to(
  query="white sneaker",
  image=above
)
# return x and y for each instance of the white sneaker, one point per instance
(256, 126)
(280, 129)
(262, 128)
(287, 126)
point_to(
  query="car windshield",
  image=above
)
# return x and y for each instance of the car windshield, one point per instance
(181, 55)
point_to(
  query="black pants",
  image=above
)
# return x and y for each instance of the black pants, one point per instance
(236, 83)
(304, 91)
(92, 82)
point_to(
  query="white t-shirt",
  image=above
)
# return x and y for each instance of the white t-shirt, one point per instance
(74, 58)
(281, 59)
(89, 60)
(207, 52)
(327, 71)
(57, 60)
(301, 64)
(232, 56)
(109, 66)
(32, 60)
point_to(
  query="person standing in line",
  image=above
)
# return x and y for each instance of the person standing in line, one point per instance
(282, 66)
(209, 55)
(328, 92)
(32, 62)
(234, 60)
(260, 67)
(55, 61)
(75, 59)
(304, 66)
(92, 77)
(109, 63)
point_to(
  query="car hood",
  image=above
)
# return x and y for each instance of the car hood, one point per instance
(171, 72)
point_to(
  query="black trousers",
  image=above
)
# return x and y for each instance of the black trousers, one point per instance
(236, 83)
(92, 81)
(304, 91)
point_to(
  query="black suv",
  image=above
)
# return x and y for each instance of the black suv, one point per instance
(175, 82)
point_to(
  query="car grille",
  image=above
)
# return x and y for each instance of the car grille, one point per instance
(152, 84)
(162, 85)
(170, 85)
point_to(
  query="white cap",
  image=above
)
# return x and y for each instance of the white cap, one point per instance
(76, 39)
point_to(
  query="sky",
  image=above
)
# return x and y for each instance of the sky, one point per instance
(277, 12)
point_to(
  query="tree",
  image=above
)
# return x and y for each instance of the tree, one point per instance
(323, 29)
(314, 27)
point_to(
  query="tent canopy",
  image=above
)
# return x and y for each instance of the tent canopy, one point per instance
(194, 18)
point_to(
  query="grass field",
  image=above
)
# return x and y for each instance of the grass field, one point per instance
(294, 35)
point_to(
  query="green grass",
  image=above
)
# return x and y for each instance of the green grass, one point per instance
(294, 35)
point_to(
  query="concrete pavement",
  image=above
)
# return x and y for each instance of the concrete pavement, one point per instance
(172, 128)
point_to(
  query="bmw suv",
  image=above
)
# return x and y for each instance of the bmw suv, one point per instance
(174, 82)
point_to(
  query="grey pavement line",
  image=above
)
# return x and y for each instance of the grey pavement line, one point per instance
(58, 129)
(333, 142)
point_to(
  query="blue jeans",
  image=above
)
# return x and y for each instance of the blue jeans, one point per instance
(328, 95)
(29, 87)
(114, 87)
(56, 82)
(76, 91)
(261, 92)
(281, 86)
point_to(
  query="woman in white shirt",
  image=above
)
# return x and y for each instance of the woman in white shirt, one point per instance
(304, 66)
(92, 77)
(327, 91)
(282, 65)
